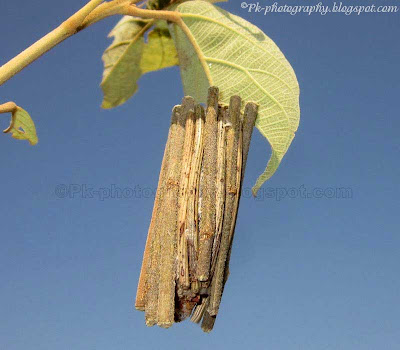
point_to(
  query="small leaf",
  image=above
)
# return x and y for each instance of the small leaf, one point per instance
(22, 126)
(129, 57)
(221, 49)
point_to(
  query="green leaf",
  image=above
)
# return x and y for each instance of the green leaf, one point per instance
(22, 126)
(221, 49)
(129, 57)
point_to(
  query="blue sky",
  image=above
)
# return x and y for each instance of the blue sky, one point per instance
(306, 273)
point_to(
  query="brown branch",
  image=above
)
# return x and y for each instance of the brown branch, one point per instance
(8, 107)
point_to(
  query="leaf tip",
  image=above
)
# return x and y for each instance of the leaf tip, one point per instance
(33, 142)
(106, 105)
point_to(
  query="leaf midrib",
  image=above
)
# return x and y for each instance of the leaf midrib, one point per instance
(197, 49)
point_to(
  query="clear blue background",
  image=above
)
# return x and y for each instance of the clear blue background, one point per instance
(309, 274)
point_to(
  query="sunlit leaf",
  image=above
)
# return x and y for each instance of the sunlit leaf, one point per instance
(221, 49)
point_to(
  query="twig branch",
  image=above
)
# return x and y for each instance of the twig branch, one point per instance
(92, 12)
(132, 10)
(8, 107)
(62, 32)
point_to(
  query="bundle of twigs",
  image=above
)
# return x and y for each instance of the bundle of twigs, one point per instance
(186, 259)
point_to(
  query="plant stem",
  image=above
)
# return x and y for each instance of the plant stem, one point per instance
(65, 30)
(91, 13)
(106, 9)
(132, 10)
(8, 107)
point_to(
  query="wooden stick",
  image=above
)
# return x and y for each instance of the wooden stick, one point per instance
(148, 288)
(201, 313)
(248, 121)
(193, 220)
(221, 165)
(188, 287)
(245, 131)
(142, 286)
(208, 322)
(183, 261)
(153, 273)
(231, 192)
(209, 169)
(239, 164)
(169, 214)
(199, 310)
